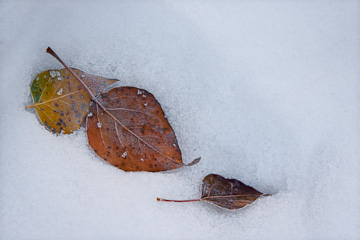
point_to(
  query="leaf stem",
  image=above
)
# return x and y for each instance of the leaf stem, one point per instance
(190, 200)
(31, 106)
(212, 197)
(52, 53)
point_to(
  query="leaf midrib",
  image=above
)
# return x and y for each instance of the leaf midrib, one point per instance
(54, 99)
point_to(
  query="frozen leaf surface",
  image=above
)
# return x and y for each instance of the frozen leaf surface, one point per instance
(227, 193)
(60, 101)
(133, 133)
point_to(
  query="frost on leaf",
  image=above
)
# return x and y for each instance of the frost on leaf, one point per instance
(60, 92)
(54, 73)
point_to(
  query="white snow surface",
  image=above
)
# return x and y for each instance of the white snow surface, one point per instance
(267, 92)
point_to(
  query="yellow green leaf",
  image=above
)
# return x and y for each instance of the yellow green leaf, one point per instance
(60, 101)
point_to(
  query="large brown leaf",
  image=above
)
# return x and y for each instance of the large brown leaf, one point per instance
(134, 135)
(227, 193)
(62, 102)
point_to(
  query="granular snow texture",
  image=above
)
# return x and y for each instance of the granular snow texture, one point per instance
(267, 92)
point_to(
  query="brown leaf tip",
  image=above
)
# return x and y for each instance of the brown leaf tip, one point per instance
(195, 161)
(49, 50)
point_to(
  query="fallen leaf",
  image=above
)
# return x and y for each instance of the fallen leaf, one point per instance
(127, 127)
(135, 136)
(227, 193)
(60, 101)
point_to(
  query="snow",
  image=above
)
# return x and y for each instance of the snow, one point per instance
(54, 73)
(60, 92)
(265, 92)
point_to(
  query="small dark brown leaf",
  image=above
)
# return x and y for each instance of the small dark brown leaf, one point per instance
(227, 193)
